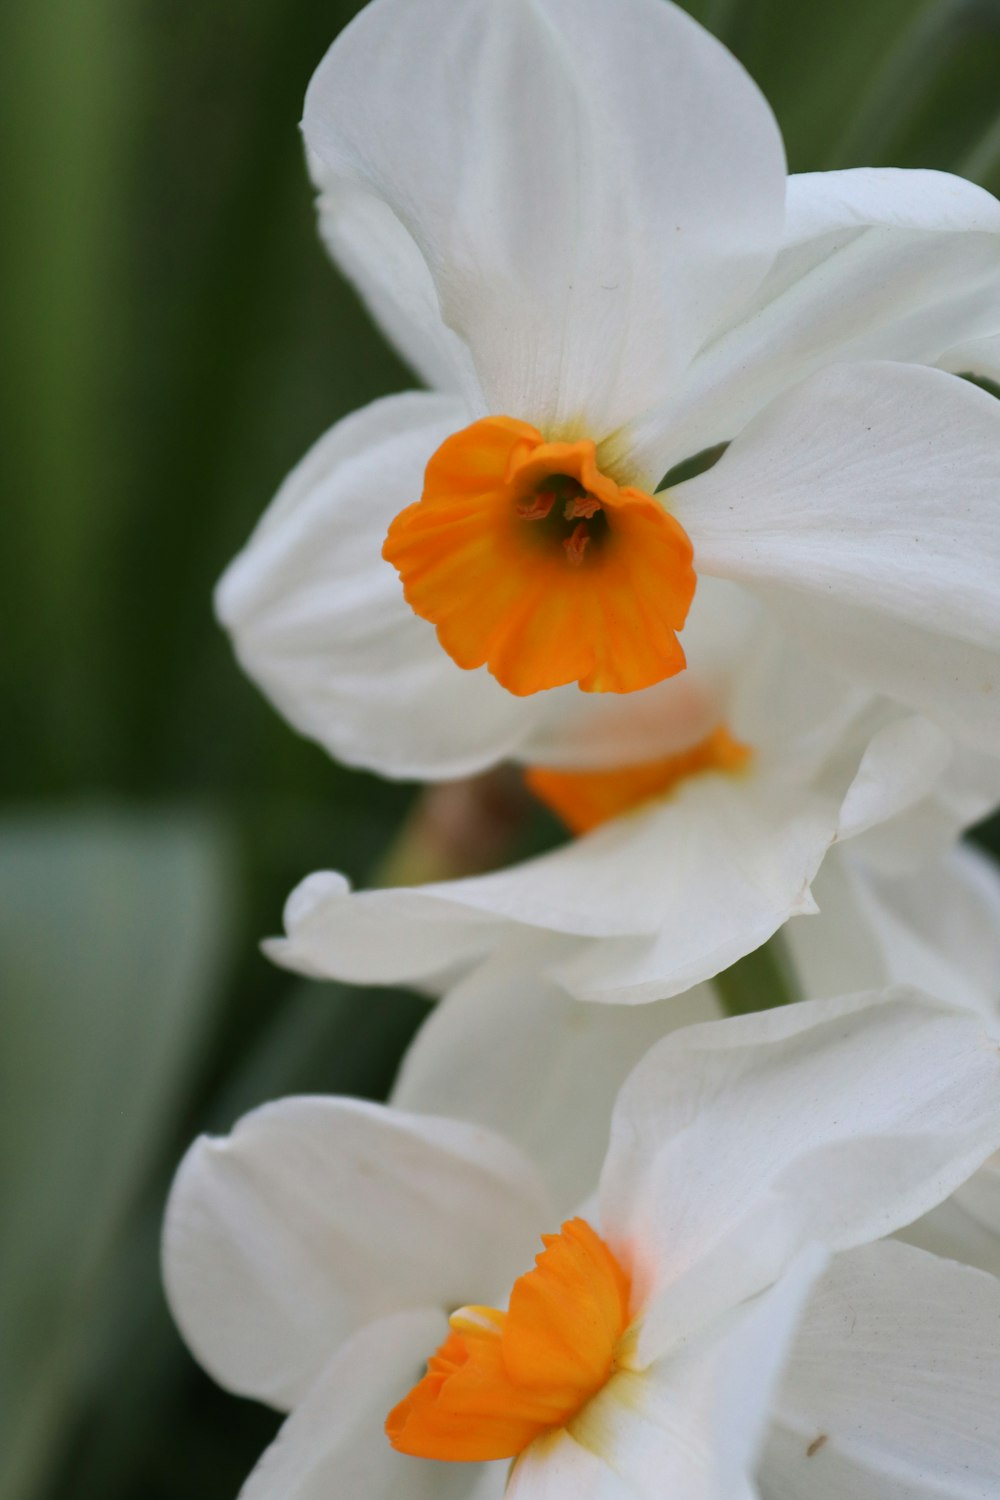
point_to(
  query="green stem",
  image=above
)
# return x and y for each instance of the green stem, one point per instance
(760, 981)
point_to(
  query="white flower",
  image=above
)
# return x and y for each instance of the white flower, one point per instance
(312, 1256)
(572, 218)
(713, 848)
(508, 1047)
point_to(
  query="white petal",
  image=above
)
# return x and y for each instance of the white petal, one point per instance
(334, 1442)
(980, 1195)
(733, 1144)
(319, 621)
(939, 928)
(863, 506)
(665, 897)
(741, 860)
(700, 878)
(398, 936)
(952, 1232)
(967, 792)
(967, 1227)
(510, 1050)
(731, 860)
(902, 764)
(690, 1426)
(594, 185)
(875, 263)
(892, 1388)
(373, 248)
(658, 900)
(318, 1214)
(839, 951)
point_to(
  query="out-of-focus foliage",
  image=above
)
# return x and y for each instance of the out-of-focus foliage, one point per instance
(112, 929)
(174, 338)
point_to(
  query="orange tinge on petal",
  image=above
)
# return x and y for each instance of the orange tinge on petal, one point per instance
(585, 799)
(531, 561)
(501, 1379)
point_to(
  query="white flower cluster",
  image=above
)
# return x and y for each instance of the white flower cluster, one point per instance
(699, 521)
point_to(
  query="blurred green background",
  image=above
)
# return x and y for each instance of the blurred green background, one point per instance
(174, 340)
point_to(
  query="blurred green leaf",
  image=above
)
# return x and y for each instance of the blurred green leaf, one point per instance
(112, 930)
(872, 82)
(324, 1038)
(66, 99)
(934, 96)
(814, 62)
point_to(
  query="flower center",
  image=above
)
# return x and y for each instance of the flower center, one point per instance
(585, 799)
(562, 513)
(501, 1379)
(534, 563)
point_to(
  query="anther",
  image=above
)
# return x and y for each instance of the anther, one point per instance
(576, 545)
(538, 507)
(583, 507)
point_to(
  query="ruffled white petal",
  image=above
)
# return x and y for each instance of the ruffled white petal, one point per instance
(317, 1215)
(892, 1388)
(732, 860)
(690, 1426)
(875, 263)
(863, 507)
(903, 763)
(659, 900)
(319, 621)
(334, 1443)
(511, 1050)
(595, 186)
(734, 1144)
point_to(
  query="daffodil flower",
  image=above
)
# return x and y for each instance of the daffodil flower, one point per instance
(371, 1271)
(572, 217)
(682, 864)
(508, 1048)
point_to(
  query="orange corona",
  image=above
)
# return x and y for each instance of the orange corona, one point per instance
(585, 799)
(531, 561)
(501, 1379)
